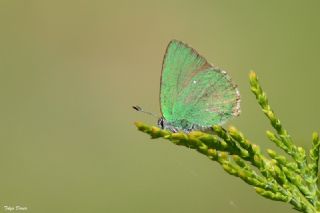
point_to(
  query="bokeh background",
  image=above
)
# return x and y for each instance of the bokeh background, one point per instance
(71, 70)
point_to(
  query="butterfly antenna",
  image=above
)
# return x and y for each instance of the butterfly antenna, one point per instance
(139, 109)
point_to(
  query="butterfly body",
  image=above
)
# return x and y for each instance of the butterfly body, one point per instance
(194, 95)
(180, 125)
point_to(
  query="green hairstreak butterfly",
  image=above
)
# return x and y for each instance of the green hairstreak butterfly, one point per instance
(194, 95)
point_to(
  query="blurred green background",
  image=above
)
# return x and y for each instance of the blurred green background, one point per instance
(70, 71)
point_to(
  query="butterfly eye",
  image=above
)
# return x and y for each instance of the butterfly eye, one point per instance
(160, 123)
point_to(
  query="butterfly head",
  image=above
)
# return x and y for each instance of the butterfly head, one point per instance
(164, 124)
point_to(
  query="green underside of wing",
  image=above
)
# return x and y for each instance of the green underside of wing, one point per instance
(208, 99)
(192, 91)
(179, 63)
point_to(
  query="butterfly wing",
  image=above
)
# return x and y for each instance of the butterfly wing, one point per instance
(193, 90)
(178, 64)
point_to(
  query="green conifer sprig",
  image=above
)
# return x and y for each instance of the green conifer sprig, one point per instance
(314, 156)
(278, 178)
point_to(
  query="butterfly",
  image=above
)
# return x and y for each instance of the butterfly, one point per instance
(194, 95)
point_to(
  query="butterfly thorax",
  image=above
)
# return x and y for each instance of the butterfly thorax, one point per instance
(182, 125)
